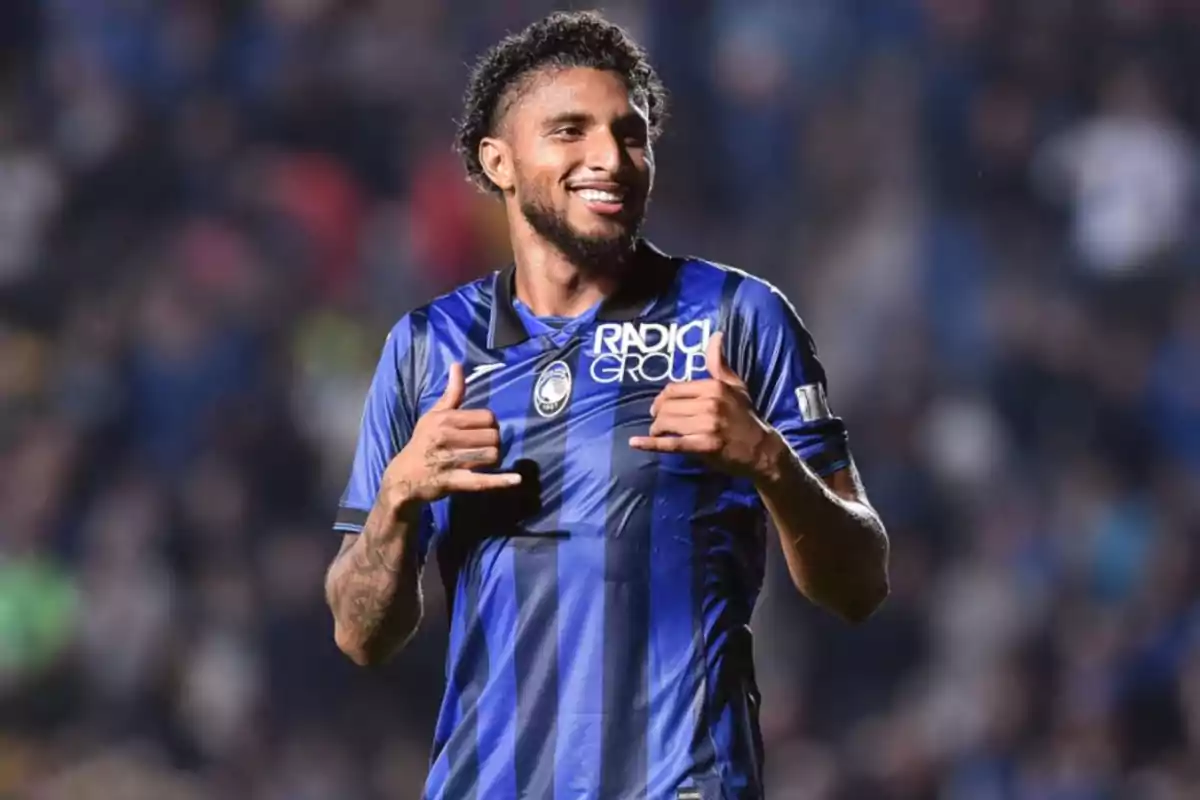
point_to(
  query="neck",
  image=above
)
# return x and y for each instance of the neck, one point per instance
(549, 283)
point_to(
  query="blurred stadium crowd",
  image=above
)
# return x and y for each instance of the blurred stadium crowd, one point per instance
(211, 211)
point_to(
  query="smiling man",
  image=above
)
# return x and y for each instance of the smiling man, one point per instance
(591, 440)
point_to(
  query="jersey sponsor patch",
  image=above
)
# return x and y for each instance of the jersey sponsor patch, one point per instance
(649, 352)
(688, 794)
(553, 389)
(813, 403)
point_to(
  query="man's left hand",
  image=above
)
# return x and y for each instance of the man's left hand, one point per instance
(712, 419)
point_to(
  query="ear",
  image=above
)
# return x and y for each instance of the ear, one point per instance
(496, 158)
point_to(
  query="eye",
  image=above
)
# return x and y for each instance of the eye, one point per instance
(632, 133)
(568, 132)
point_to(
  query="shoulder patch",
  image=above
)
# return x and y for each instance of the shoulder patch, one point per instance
(813, 403)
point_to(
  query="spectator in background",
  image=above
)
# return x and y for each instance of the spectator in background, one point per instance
(1129, 174)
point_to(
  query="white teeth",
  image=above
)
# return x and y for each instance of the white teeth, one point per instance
(600, 196)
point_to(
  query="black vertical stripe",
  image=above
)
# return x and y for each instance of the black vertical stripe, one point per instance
(725, 576)
(415, 369)
(735, 688)
(625, 694)
(703, 750)
(739, 342)
(469, 678)
(535, 568)
(411, 367)
(464, 531)
(725, 313)
(458, 561)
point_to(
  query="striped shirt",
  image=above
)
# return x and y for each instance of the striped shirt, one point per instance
(599, 612)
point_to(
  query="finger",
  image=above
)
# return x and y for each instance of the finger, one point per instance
(714, 361)
(464, 480)
(469, 458)
(698, 444)
(466, 418)
(454, 457)
(468, 438)
(705, 387)
(688, 407)
(676, 425)
(455, 388)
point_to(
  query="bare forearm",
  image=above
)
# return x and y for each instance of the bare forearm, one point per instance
(373, 587)
(836, 547)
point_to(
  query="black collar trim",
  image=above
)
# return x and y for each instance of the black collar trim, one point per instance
(651, 276)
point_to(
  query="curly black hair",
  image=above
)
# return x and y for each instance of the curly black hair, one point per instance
(563, 39)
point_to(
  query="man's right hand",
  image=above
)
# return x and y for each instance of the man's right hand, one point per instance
(447, 446)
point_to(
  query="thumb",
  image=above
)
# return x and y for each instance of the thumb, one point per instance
(714, 361)
(455, 388)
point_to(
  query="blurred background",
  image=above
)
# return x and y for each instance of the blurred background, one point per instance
(211, 212)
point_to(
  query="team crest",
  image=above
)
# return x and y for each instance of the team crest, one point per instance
(552, 390)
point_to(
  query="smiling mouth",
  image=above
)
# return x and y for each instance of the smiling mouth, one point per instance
(606, 202)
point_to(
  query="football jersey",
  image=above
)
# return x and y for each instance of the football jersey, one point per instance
(599, 612)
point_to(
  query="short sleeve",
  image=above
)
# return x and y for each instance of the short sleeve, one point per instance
(388, 419)
(776, 356)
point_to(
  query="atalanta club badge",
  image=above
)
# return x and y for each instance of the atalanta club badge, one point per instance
(552, 390)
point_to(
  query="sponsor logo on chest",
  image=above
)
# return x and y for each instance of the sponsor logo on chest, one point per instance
(649, 352)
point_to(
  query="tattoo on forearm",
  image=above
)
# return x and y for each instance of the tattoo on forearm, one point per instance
(371, 557)
(366, 608)
(363, 594)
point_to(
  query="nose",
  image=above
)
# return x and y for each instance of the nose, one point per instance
(604, 152)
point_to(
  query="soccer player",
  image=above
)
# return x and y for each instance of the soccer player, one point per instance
(590, 441)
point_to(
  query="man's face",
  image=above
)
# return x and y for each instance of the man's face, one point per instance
(583, 167)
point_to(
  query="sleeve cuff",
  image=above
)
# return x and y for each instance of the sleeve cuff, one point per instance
(827, 457)
(350, 520)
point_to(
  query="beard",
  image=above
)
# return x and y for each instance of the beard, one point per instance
(600, 253)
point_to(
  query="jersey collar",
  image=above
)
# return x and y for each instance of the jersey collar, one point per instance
(653, 273)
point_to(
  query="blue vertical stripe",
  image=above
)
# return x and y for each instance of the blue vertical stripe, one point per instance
(535, 567)
(581, 634)
(627, 589)
(731, 522)
(677, 654)
(704, 746)
(460, 329)
(448, 717)
(676, 664)
(626, 613)
(497, 733)
(469, 675)
(737, 553)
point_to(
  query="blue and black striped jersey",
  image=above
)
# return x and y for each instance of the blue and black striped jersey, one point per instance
(599, 636)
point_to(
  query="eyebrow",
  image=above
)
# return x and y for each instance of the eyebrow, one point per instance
(570, 118)
(583, 118)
